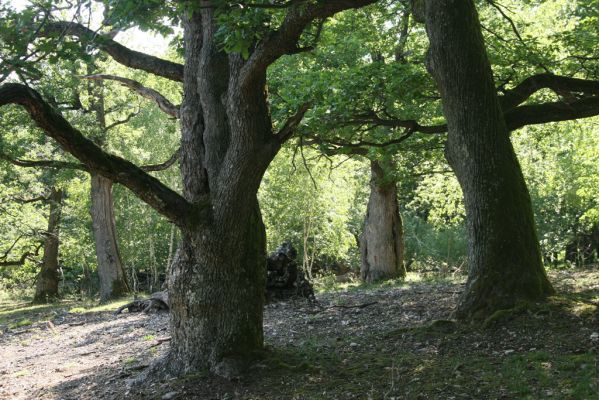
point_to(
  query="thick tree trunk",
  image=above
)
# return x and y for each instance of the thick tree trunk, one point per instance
(113, 282)
(216, 290)
(382, 242)
(217, 280)
(46, 288)
(504, 258)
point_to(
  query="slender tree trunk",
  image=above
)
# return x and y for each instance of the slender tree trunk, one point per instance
(113, 282)
(382, 242)
(503, 251)
(46, 288)
(111, 273)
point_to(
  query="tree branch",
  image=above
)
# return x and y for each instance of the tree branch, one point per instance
(22, 259)
(146, 187)
(285, 39)
(121, 54)
(163, 103)
(551, 112)
(559, 84)
(292, 123)
(122, 121)
(43, 163)
(165, 165)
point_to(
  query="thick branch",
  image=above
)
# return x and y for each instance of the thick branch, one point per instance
(285, 39)
(551, 112)
(163, 103)
(558, 84)
(149, 189)
(121, 54)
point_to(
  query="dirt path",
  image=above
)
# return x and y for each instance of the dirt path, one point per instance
(369, 343)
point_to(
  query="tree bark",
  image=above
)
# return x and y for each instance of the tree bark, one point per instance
(217, 281)
(382, 241)
(113, 282)
(505, 264)
(46, 289)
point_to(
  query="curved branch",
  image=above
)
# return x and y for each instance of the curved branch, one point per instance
(121, 54)
(559, 84)
(146, 187)
(123, 121)
(165, 165)
(163, 103)
(285, 39)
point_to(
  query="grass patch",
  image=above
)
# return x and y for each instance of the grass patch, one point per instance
(19, 314)
(328, 283)
(20, 323)
(21, 373)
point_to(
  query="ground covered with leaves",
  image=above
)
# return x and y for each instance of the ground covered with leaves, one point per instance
(389, 341)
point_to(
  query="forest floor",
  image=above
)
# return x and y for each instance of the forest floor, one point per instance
(389, 341)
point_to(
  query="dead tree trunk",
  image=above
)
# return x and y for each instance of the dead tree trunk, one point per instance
(113, 282)
(382, 242)
(46, 289)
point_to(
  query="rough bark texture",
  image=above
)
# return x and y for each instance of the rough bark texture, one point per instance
(382, 243)
(46, 288)
(217, 280)
(503, 252)
(113, 282)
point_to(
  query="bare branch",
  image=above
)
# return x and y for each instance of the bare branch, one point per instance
(123, 121)
(146, 187)
(165, 165)
(121, 54)
(163, 103)
(43, 163)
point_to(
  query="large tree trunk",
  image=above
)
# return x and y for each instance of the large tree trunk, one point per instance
(217, 279)
(504, 257)
(46, 288)
(113, 282)
(382, 242)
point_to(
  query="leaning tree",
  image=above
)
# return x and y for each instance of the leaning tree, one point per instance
(480, 109)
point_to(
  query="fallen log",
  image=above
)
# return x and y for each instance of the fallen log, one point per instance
(156, 302)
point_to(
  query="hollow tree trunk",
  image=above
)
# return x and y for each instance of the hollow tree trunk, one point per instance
(382, 242)
(46, 288)
(503, 251)
(113, 282)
